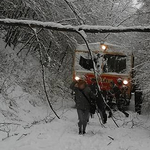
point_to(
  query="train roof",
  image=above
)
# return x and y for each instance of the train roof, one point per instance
(111, 48)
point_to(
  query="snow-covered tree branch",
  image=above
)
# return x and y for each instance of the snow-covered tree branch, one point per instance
(70, 28)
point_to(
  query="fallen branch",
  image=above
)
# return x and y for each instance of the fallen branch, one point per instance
(10, 136)
(109, 143)
(111, 138)
(70, 28)
(9, 124)
(23, 135)
(100, 119)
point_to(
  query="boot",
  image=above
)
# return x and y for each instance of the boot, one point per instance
(105, 117)
(84, 129)
(110, 114)
(126, 114)
(80, 128)
(84, 132)
(80, 132)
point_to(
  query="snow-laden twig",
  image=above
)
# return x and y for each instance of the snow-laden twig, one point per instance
(80, 20)
(28, 42)
(5, 123)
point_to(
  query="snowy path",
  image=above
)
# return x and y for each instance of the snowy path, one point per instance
(62, 135)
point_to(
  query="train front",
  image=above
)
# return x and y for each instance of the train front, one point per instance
(111, 66)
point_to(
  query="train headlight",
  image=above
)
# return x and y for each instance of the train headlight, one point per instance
(103, 47)
(77, 78)
(125, 82)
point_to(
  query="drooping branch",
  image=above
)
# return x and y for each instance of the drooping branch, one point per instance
(70, 28)
(96, 75)
(43, 75)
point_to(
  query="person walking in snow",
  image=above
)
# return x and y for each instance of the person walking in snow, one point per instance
(83, 101)
(119, 96)
(114, 92)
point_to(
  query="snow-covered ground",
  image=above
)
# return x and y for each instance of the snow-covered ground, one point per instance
(133, 134)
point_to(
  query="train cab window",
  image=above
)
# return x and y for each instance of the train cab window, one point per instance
(114, 63)
(86, 63)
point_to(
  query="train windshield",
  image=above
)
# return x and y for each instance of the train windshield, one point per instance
(114, 63)
(105, 63)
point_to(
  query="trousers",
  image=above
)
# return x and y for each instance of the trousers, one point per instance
(83, 116)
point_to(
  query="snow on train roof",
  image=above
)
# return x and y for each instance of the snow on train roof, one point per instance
(93, 46)
(97, 47)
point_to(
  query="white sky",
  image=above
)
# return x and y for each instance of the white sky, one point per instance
(137, 4)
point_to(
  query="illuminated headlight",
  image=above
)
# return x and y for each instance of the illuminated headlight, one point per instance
(77, 78)
(125, 82)
(104, 47)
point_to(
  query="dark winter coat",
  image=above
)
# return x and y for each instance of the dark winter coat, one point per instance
(81, 101)
(116, 91)
(98, 97)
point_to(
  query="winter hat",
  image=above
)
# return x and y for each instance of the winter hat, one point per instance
(119, 80)
(80, 82)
